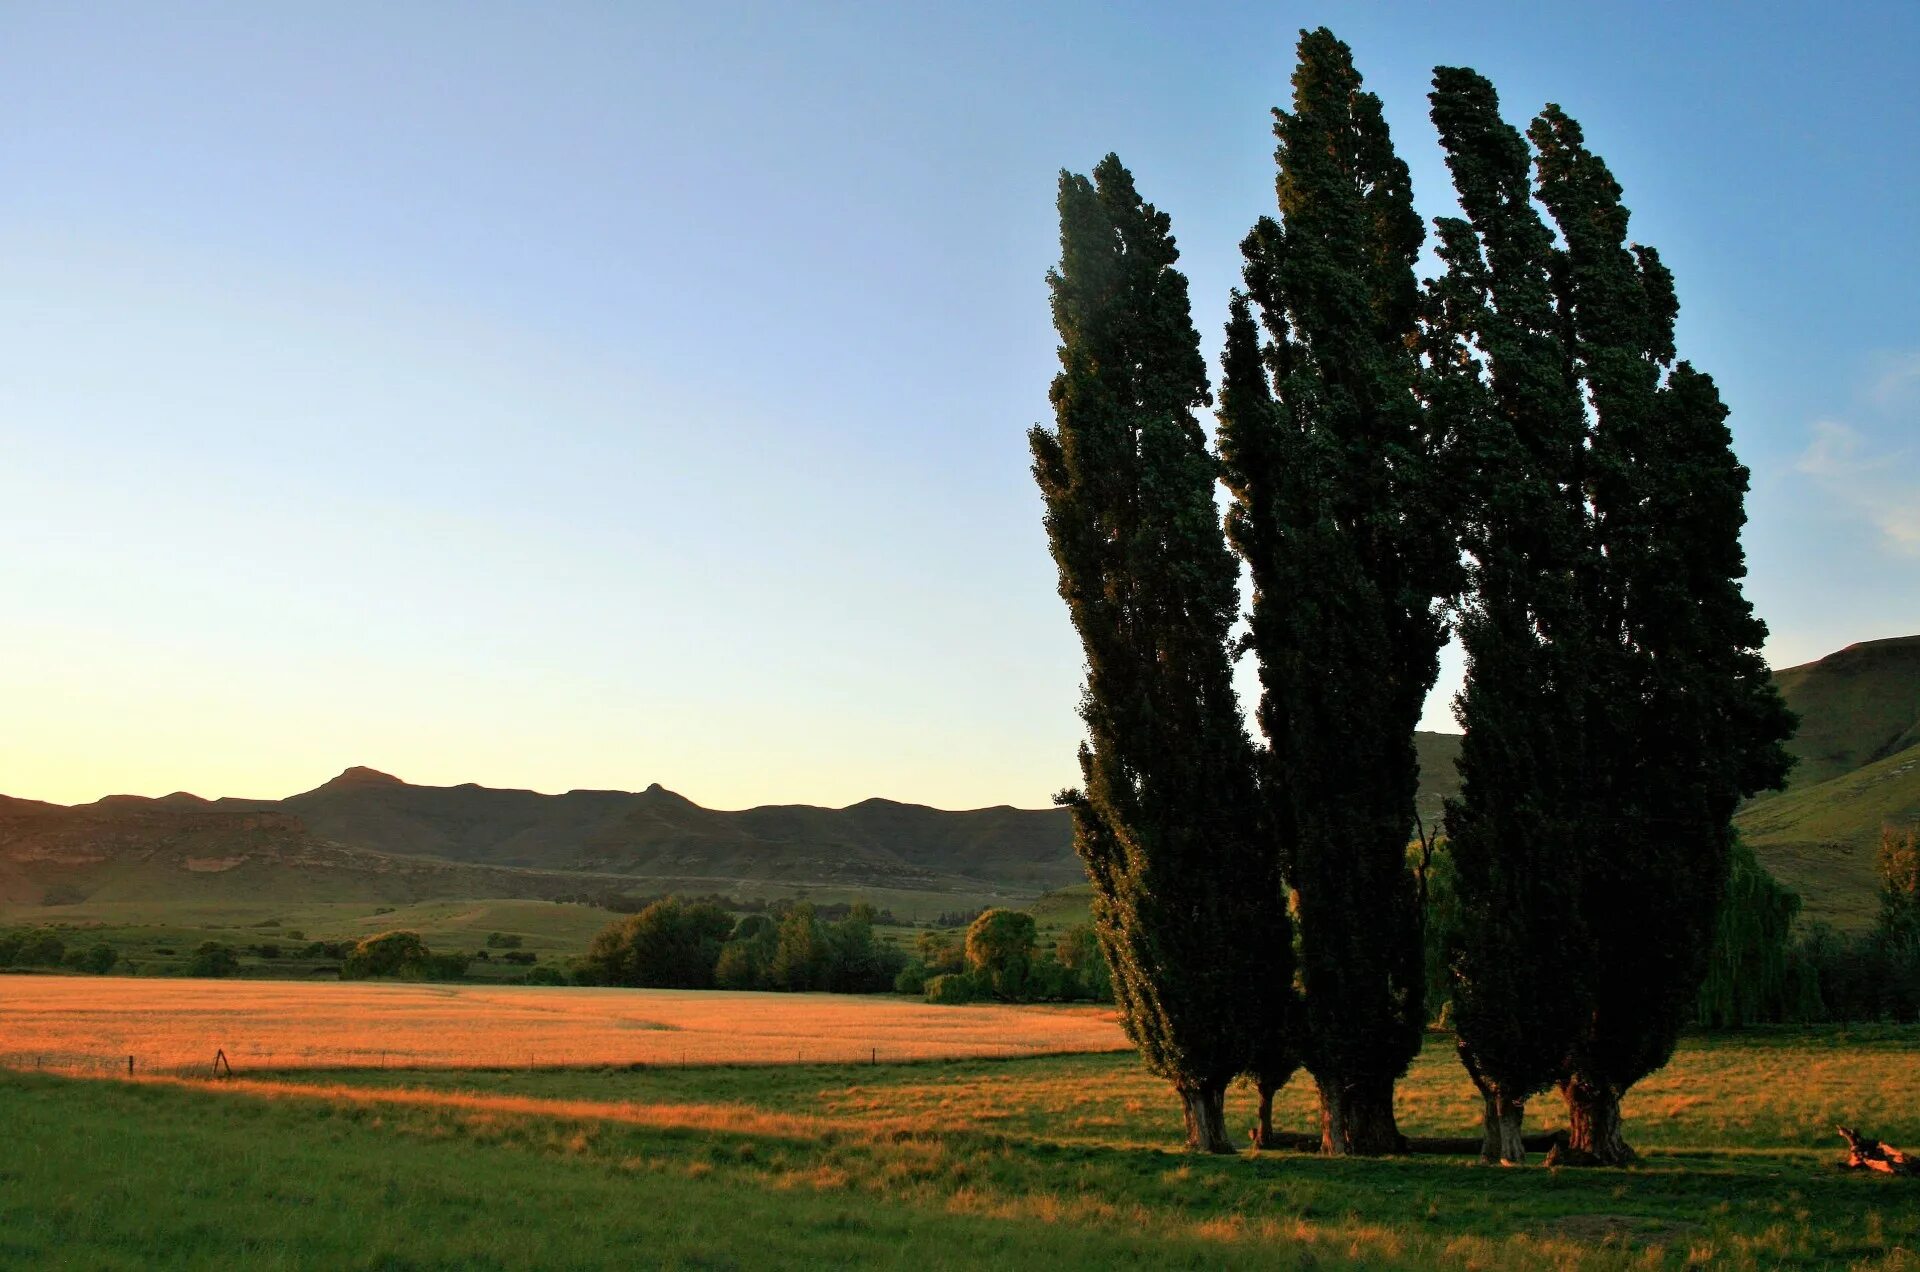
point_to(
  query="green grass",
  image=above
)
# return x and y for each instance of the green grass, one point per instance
(1058, 1162)
(141, 931)
(1822, 840)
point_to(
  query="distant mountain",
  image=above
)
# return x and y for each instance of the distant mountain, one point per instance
(180, 847)
(369, 835)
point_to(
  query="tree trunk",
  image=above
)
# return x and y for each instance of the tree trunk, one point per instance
(1593, 1127)
(1503, 1142)
(1356, 1119)
(1263, 1136)
(1206, 1113)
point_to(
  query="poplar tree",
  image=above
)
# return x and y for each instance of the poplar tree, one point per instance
(1167, 819)
(1340, 519)
(1690, 722)
(1502, 372)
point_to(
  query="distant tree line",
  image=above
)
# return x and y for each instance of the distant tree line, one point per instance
(778, 907)
(676, 944)
(999, 957)
(1508, 451)
(36, 948)
(1763, 967)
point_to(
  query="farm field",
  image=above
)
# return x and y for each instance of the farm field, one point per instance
(63, 1022)
(1060, 1161)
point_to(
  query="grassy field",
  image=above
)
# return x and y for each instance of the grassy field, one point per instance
(95, 1023)
(157, 938)
(1060, 1161)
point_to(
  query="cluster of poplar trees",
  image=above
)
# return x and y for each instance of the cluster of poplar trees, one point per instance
(1508, 451)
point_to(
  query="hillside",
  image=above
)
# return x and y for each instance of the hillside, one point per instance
(125, 848)
(1858, 769)
(367, 835)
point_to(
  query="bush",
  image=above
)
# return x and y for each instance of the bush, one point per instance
(912, 979)
(520, 958)
(545, 976)
(953, 989)
(503, 941)
(214, 959)
(444, 967)
(40, 949)
(388, 954)
(98, 959)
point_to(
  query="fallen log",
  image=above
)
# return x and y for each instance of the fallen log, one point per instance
(1461, 1146)
(1866, 1153)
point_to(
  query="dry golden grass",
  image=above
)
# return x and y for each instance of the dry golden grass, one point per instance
(72, 1023)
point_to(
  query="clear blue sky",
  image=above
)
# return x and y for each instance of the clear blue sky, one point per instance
(593, 395)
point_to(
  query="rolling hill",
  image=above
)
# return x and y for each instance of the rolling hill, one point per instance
(1857, 770)
(367, 835)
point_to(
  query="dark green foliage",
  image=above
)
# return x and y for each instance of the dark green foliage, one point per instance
(99, 958)
(1753, 973)
(545, 976)
(857, 962)
(1340, 516)
(954, 989)
(801, 954)
(214, 958)
(1078, 951)
(1442, 924)
(502, 941)
(668, 945)
(1000, 950)
(31, 948)
(1691, 722)
(1167, 819)
(941, 952)
(911, 978)
(445, 967)
(1500, 373)
(389, 954)
(746, 961)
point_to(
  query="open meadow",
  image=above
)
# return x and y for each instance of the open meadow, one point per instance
(177, 1025)
(1066, 1160)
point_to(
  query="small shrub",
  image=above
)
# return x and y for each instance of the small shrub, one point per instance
(503, 941)
(545, 976)
(953, 989)
(912, 979)
(214, 959)
(98, 958)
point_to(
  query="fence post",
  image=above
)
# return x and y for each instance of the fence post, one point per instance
(129, 1066)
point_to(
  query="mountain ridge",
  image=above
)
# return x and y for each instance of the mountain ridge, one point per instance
(1860, 709)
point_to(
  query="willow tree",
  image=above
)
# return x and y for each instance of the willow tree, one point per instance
(1340, 516)
(1501, 371)
(1692, 723)
(1167, 819)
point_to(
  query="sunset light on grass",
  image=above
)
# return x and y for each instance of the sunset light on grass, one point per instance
(175, 1026)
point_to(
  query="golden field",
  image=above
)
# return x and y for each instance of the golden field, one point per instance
(70, 1023)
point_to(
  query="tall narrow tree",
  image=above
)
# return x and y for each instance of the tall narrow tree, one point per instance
(1167, 820)
(1692, 723)
(1501, 369)
(1252, 422)
(1341, 520)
